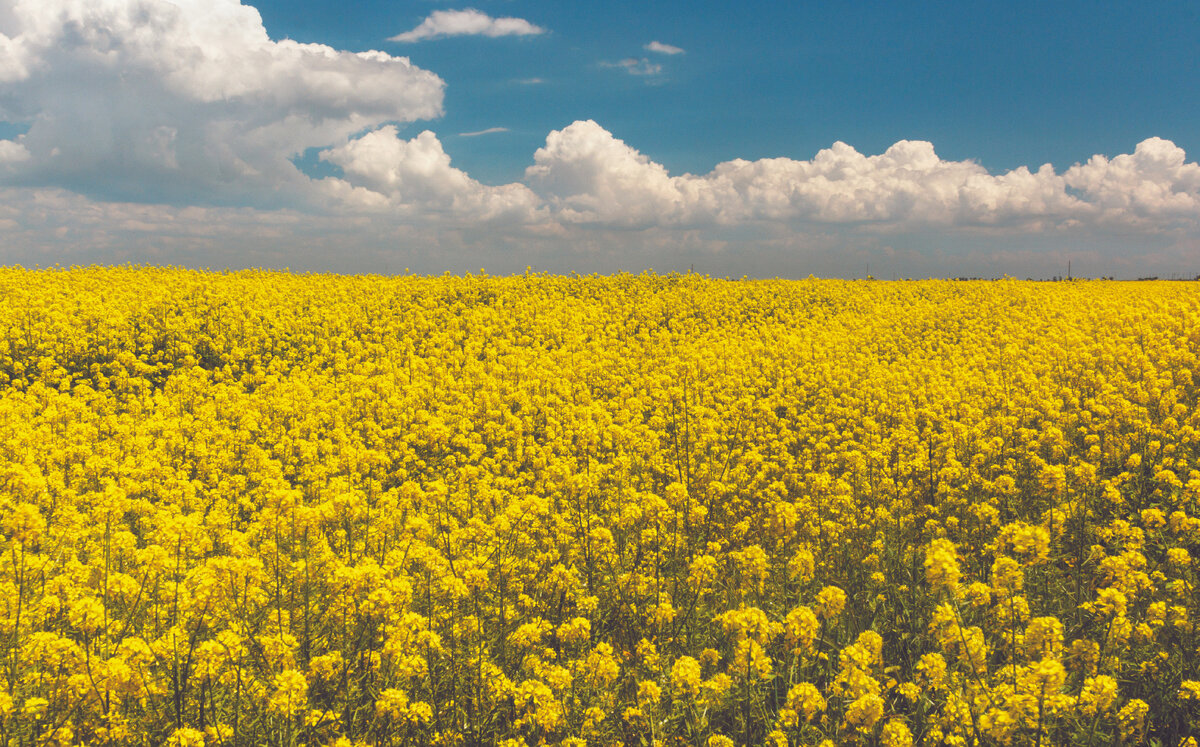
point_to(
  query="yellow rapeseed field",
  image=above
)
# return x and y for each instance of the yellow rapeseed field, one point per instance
(262, 508)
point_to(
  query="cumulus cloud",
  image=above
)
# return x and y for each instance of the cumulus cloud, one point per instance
(1147, 187)
(635, 66)
(46, 226)
(591, 177)
(12, 153)
(660, 48)
(185, 100)
(159, 130)
(469, 22)
(383, 170)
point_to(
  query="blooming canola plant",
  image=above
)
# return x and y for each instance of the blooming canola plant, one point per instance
(266, 508)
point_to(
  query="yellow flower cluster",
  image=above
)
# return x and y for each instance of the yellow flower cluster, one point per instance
(264, 508)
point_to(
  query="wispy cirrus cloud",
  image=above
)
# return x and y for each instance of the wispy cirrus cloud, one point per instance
(660, 48)
(488, 131)
(635, 66)
(469, 22)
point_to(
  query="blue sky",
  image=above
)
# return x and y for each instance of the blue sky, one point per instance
(1003, 83)
(755, 138)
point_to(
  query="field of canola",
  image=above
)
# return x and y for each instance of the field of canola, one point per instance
(273, 509)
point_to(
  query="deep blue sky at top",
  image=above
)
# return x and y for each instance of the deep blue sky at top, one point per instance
(1003, 83)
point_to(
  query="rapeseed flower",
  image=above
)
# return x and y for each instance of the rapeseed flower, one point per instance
(255, 507)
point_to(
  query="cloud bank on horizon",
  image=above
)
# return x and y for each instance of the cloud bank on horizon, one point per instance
(170, 132)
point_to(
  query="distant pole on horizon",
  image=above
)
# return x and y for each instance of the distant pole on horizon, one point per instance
(1068, 269)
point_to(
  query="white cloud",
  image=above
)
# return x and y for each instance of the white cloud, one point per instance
(12, 153)
(382, 171)
(591, 177)
(488, 131)
(128, 103)
(660, 48)
(635, 66)
(592, 202)
(470, 22)
(46, 226)
(185, 100)
(1147, 187)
